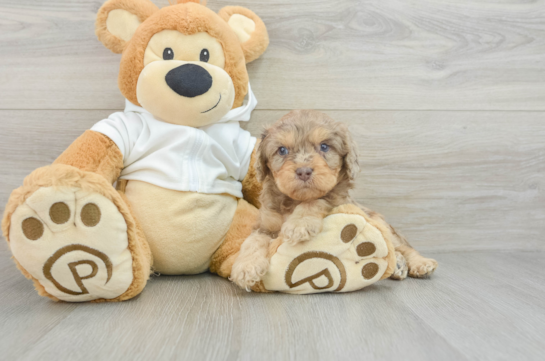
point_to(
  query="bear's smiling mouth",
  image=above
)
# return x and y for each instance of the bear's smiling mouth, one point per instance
(206, 111)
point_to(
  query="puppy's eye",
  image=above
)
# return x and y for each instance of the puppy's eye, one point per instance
(324, 147)
(205, 55)
(168, 54)
(283, 151)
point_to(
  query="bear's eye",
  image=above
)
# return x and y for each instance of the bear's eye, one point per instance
(324, 147)
(168, 54)
(205, 55)
(283, 151)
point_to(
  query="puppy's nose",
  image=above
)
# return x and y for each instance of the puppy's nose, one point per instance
(304, 173)
(189, 80)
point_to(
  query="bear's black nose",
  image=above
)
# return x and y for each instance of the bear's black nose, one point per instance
(189, 80)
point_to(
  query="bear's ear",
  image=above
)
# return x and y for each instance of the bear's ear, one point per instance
(117, 21)
(250, 30)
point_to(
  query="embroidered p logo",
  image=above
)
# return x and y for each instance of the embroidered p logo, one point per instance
(323, 273)
(78, 278)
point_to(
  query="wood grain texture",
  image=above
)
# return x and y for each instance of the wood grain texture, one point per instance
(345, 54)
(447, 180)
(478, 306)
(447, 103)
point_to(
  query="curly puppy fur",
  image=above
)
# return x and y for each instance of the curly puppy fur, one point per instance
(307, 163)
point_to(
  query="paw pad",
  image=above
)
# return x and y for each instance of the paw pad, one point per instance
(74, 270)
(369, 270)
(73, 242)
(59, 213)
(313, 280)
(33, 229)
(349, 254)
(349, 232)
(90, 214)
(365, 249)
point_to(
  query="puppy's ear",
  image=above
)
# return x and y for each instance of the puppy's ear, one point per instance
(351, 162)
(249, 28)
(261, 167)
(117, 20)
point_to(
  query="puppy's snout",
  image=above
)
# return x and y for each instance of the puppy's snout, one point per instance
(189, 80)
(304, 173)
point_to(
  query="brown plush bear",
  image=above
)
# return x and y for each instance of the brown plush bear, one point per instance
(186, 191)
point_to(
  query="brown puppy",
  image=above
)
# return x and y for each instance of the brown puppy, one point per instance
(307, 163)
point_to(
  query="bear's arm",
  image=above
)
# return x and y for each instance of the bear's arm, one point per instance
(251, 188)
(94, 152)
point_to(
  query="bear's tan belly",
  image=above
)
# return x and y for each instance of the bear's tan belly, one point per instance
(183, 229)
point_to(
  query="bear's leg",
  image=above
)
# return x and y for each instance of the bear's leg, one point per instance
(243, 223)
(75, 236)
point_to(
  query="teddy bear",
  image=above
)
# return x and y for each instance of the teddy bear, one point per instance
(168, 185)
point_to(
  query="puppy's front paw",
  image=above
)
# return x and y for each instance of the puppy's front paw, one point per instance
(422, 267)
(246, 273)
(301, 230)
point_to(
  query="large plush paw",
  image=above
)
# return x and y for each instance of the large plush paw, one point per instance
(74, 243)
(300, 229)
(421, 267)
(348, 254)
(247, 272)
(401, 269)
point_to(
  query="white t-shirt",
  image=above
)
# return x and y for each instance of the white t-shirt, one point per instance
(211, 159)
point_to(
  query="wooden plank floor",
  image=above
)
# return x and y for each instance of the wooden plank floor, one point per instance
(447, 102)
(478, 306)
